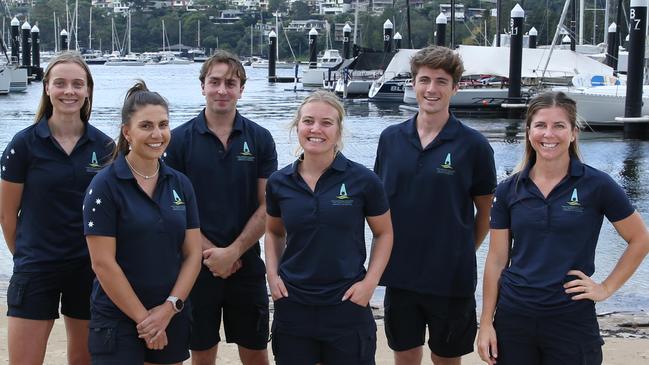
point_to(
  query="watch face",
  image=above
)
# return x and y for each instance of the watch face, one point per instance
(179, 305)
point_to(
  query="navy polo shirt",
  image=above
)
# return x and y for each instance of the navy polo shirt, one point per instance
(431, 194)
(553, 235)
(225, 179)
(49, 234)
(325, 229)
(149, 232)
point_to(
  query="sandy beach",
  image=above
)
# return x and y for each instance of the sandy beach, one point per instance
(626, 336)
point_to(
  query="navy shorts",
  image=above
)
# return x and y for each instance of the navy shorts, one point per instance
(243, 302)
(568, 338)
(342, 334)
(37, 295)
(116, 342)
(451, 322)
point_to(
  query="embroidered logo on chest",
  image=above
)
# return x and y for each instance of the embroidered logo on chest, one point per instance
(446, 167)
(178, 203)
(94, 165)
(342, 199)
(245, 155)
(573, 205)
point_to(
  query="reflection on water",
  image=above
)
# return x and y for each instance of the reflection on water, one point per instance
(274, 107)
(512, 131)
(633, 161)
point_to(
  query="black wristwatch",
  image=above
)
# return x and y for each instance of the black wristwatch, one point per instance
(177, 303)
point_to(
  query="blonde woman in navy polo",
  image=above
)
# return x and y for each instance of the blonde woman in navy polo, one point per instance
(45, 170)
(315, 245)
(141, 224)
(539, 299)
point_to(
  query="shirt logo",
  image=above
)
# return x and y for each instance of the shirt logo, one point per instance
(573, 205)
(343, 198)
(245, 154)
(178, 204)
(446, 167)
(574, 199)
(94, 165)
(177, 200)
(342, 195)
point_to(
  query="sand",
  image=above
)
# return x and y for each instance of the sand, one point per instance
(626, 336)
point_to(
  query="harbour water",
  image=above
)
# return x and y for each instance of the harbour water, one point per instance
(273, 106)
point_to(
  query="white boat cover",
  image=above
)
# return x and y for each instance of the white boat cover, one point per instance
(399, 65)
(495, 61)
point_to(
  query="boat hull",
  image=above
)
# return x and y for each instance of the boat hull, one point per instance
(601, 105)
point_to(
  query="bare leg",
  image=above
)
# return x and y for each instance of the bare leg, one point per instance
(27, 340)
(77, 334)
(253, 357)
(408, 357)
(438, 360)
(205, 357)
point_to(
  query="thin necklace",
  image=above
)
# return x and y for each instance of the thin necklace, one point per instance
(146, 177)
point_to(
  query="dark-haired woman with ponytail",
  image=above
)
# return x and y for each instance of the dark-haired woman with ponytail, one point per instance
(46, 169)
(141, 225)
(539, 297)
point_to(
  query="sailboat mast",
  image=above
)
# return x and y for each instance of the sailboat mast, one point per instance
(90, 30)
(180, 36)
(277, 27)
(199, 35)
(56, 34)
(128, 25)
(355, 21)
(408, 21)
(76, 25)
(261, 35)
(251, 38)
(112, 34)
(163, 35)
(67, 19)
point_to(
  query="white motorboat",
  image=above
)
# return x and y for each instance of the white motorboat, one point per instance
(197, 55)
(15, 76)
(169, 58)
(263, 63)
(330, 58)
(128, 60)
(314, 77)
(5, 80)
(94, 58)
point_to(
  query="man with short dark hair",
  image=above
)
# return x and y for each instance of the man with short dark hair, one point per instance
(228, 158)
(436, 171)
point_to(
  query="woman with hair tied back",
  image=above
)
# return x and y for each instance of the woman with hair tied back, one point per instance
(315, 245)
(46, 169)
(538, 296)
(141, 225)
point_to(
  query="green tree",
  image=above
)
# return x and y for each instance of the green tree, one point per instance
(277, 5)
(300, 10)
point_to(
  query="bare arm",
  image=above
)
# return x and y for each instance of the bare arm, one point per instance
(633, 230)
(112, 278)
(497, 259)
(381, 226)
(481, 222)
(274, 245)
(10, 197)
(221, 260)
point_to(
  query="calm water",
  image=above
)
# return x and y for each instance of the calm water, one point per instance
(273, 106)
